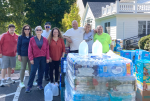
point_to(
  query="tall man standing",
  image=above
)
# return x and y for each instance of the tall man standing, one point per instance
(8, 49)
(74, 36)
(45, 34)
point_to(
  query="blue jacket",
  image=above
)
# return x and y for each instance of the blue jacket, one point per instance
(22, 46)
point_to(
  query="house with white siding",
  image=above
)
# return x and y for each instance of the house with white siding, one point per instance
(121, 19)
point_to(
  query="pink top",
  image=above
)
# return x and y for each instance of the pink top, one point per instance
(34, 51)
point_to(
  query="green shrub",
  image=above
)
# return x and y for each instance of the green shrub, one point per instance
(144, 43)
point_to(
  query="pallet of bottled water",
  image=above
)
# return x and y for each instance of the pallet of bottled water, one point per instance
(99, 78)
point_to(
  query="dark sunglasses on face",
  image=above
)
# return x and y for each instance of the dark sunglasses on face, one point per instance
(47, 26)
(26, 29)
(38, 30)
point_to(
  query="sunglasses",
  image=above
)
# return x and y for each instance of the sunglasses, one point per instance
(38, 30)
(47, 26)
(26, 29)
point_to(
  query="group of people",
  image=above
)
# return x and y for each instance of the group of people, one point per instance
(44, 51)
(41, 52)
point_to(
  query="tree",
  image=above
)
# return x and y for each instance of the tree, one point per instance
(69, 17)
(12, 11)
(40, 11)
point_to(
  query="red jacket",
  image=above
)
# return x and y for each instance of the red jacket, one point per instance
(8, 44)
(56, 49)
(34, 51)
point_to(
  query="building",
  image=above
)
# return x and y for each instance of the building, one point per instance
(121, 19)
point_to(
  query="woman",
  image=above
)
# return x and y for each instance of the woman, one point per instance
(22, 49)
(38, 53)
(88, 36)
(56, 51)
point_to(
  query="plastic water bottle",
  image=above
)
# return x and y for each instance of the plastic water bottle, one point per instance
(55, 90)
(48, 86)
(48, 95)
(97, 48)
(65, 65)
(83, 48)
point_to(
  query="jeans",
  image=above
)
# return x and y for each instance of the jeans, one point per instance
(54, 65)
(24, 61)
(47, 70)
(40, 64)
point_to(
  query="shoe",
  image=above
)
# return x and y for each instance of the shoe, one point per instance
(47, 79)
(56, 84)
(34, 83)
(2, 83)
(28, 90)
(10, 81)
(21, 85)
(40, 87)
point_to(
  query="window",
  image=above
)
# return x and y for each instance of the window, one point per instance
(143, 28)
(89, 21)
(148, 27)
(107, 27)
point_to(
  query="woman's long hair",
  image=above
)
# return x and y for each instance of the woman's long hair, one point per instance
(23, 33)
(51, 34)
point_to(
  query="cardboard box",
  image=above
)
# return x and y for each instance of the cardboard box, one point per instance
(143, 74)
(130, 54)
(142, 54)
(142, 95)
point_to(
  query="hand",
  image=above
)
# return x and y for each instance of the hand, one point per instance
(32, 62)
(68, 39)
(50, 59)
(1, 55)
(47, 61)
(95, 31)
(19, 57)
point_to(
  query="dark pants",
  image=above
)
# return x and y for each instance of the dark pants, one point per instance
(54, 65)
(40, 64)
(74, 51)
(47, 70)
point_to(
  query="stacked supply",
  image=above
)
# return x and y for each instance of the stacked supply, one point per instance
(62, 77)
(143, 79)
(99, 78)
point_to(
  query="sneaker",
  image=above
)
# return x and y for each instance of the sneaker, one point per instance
(10, 80)
(34, 83)
(2, 83)
(21, 85)
(56, 84)
(40, 87)
(28, 90)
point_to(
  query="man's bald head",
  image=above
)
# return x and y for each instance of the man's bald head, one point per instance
(74, 24)
(99, 29)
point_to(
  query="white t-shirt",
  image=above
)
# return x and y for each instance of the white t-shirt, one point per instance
(76, 37)
(45, 33)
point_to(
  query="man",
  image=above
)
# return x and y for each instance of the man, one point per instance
(8, 49)
(45, 34)
(74, 36)
(104, 38)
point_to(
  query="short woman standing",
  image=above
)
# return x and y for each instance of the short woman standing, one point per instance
(56, 51)
(38, 53)
(22, 49)
(88, 36)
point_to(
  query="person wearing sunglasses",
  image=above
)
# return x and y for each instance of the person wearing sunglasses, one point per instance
(45, 34)
(22, 49)
(38, 53)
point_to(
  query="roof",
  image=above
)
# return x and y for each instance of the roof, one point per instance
(96, 8)
(85, 1)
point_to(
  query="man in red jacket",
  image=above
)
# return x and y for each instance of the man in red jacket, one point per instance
(8, 49)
